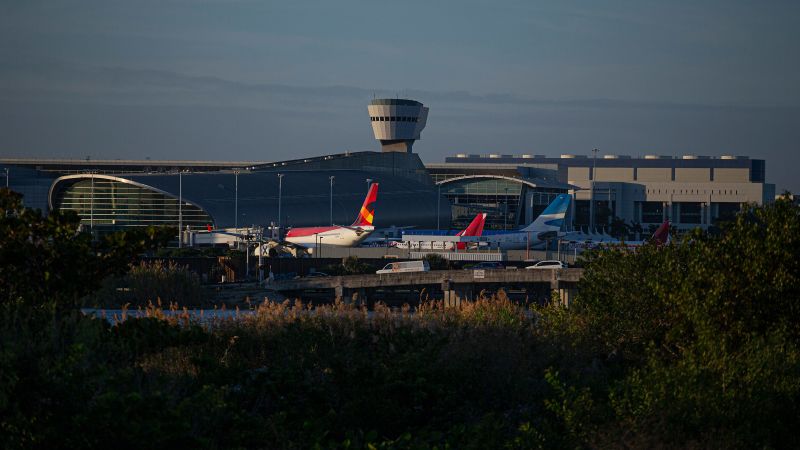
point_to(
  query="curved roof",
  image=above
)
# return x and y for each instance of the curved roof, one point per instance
(305, 196)
(394, 101)
(531, 182)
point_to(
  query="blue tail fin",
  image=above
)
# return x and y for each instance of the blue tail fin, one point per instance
(552, 218)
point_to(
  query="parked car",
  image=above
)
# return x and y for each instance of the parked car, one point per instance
(552, 264)
(405, 266)
(317, 274)
(486, 265)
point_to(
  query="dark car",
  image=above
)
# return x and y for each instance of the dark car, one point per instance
(487, 265)
(317, 274)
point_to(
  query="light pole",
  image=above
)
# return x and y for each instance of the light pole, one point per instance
(280, 192)
(369, 181)
(320, 246)
(180, 208)
(6, 177)
(331, 178)
(591, 189)
(91, 206)
(439, 205)
(505, 216)
(236, 200)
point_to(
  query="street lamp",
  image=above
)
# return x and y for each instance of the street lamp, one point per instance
(505, 216)
(591, 189)
(91, 205)
(438, 205)
(331, 178)
(236, 200)
(280, 190)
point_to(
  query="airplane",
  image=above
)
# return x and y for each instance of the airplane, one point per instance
(475, 228)
(338, 235)
(546, 227)
(660, 237)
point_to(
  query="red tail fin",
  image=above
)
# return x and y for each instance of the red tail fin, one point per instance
(367, 212)
(475, 228)
(661, 236)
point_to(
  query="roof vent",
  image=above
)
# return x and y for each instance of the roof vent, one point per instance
(657, 157)
(461, 155)
(526, 156)
(689, 156)
(494, 155)
(610, 156)
(567, 156)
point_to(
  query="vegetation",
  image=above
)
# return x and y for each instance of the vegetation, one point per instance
(149, 282)
(693, 344)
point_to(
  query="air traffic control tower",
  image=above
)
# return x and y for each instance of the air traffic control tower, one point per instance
(397, 122)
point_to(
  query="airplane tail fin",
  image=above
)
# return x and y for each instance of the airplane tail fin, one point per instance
(475, 228)
(661, 236)
(367, 213)
(552, 218)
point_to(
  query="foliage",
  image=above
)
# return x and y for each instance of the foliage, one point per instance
(618, 228)
(48, 261)
(693, 344)
(437, 262)
(155, 281)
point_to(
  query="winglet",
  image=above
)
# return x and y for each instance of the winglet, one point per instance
(367, 213)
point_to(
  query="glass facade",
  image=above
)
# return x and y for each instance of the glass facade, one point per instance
(110, 204)
(509, 203)
(652, 212)
(691, 212)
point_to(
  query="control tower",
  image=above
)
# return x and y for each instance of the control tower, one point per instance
(397, 122)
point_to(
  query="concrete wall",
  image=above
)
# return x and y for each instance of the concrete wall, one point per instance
(731, 175)
(614, 174)
(578, 173)
(651, 174)
(693, 175)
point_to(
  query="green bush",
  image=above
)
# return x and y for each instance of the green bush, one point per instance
(156, 281)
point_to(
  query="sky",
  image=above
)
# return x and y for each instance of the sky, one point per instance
(266, 81)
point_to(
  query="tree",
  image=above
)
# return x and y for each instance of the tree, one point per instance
(698, 342)
(46, 260)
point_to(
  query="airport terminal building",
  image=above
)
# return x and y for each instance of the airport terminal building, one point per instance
(690, 190)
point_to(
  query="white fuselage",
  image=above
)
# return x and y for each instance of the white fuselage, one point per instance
(328, 236)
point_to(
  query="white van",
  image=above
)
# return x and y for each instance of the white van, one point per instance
(406, 266)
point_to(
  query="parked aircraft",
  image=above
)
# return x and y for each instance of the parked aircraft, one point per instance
(546, 227)
(338, 235)
(660, 237)
(430, 242)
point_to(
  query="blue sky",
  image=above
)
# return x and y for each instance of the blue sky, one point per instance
(207, 79)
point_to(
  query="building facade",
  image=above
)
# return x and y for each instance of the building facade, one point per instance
(690, 190)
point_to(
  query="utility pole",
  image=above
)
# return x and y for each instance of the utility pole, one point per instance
(331, 178)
